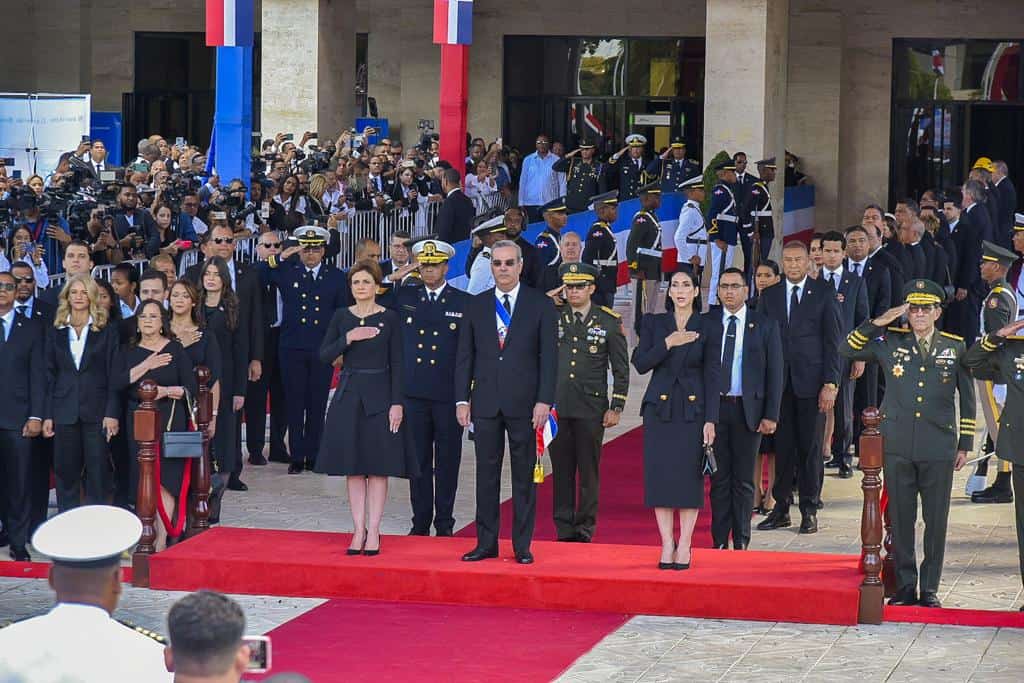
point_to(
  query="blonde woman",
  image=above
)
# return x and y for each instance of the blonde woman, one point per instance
(82, 403)
(315, 207)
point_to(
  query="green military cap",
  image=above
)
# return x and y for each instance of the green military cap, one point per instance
(923, 292)
(573, 273)
(996, 254)
(678, 142)
(650, 188)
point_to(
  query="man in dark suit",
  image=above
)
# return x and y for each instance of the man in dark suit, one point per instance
(852, 299)
(750, 395)
(21, 413)
(873, 222)
(1006, 192)
(505, 369)
(808, 318)
(456, 215)
(77, 261)
(962, 316)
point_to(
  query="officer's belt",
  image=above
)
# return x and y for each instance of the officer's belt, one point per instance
(761, 213)
(649, 252)
(727, 218)
(346, 375)
(607, 262)
(693, 240)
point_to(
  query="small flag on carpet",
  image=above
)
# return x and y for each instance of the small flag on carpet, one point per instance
(545, 435)
(453, 22)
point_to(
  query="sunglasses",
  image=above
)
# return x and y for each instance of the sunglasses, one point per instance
(508, 263)
(223, 240)
(24, 280)
(922, 308)
(578, 285)
(271, 245)
(6, 286)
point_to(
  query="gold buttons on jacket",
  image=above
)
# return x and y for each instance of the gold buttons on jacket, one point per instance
(691, 397)
(664, 397)
(920, 399)
(917, 414)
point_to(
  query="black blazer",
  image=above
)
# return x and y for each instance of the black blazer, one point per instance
(455, 218)
(694, 369)
(250, 303)
(761, 366)
(896, 275)
(967, 238)
(879, 286)
(22, 370)
(85, 393)
(810, 337)
(512, 379)
(1007, 194)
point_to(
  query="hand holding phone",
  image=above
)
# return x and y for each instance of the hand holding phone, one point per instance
(259, 653)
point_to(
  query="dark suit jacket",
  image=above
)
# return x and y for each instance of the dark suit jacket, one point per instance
(85, 393)
(896, 275)
(512, 379)
(1007, 194)
(810, 336)
(852, 299)
(22, 369)
(761, 366)
(967, 237)
(455, 218)
(250, 303)
(143, 225)
(879, 285)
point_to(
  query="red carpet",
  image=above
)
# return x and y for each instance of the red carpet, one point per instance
(360, 640)
(794, 587)
(953, 616)
(622, 517)
(41, 570)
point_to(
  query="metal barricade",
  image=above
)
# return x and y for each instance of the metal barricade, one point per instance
(188, 258)
(245, 249)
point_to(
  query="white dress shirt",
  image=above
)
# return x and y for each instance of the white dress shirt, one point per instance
(500, 296)
(835, 275)
(800, 290)
(77, 343)
(8, 324)
(435, 292)
(858, 267)
(736, 386)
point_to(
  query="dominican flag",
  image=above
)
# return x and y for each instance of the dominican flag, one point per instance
(938, 63)
(229, 23)
(453, 22)
(546, 433)
(593, 123)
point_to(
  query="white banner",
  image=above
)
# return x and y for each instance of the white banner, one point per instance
(36, 128)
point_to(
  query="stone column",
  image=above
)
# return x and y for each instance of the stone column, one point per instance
(300, 92)
(745, 82)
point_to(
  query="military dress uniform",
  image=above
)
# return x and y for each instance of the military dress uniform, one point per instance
(583, 180)
(430, 321)
(671, 172)
(601, 251)
(631, 173)
(549, 252)
(643, 251)
(309, 299)
(920, 432)
(691, 237)
(589, 342)
(723, 219)
(760, 222)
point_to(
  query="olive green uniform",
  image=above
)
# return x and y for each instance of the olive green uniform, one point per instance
(997, 311)
(587, 347)
(921, 436)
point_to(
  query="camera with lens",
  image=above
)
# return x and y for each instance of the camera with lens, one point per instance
(317, 161)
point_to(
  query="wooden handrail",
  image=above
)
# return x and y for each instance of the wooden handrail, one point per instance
(872, 593)
(199, 489)
(146, 432)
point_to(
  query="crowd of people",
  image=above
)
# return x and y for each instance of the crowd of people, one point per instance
(761, 376)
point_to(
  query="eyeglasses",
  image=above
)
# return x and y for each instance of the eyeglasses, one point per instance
(508, 263)
(223, 240)
(6, 286)
(271, 245)
(578, 285)
(23, 280)
(920, 308)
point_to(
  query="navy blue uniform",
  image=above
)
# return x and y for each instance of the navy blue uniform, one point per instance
(670, 172)
(430, 335)
(307, 305)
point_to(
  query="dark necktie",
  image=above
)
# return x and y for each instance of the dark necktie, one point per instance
(507, 304)
(579, 317)
(832, 280)
(433, 297)
(3, 333)
(728, 352)
(856, 268)
(272, 310)
(793, 301)
(21, 310)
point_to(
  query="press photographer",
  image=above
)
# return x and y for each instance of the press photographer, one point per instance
(133, 227)
(99, 235)
(49, 231)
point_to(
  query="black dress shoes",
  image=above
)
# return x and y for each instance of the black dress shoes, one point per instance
(20, 554)
(445, 532)
(774, 521)
(845, 471)
(929, 599)
(236, 484)
(478, 553)
(992, 495)
(834, 462)
(279, 458)
(809, 524)
(310, 465)
(905, 597)
(257, 459)
(4, 540)
(419, 532)
(582, 537)
(568, 539)
(295, 468)
(525, 557)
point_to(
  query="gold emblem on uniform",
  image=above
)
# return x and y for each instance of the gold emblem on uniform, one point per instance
(897, 370)
(593, 349)
(451, 326)
(993, 302)
(920, 284)
(573, 268)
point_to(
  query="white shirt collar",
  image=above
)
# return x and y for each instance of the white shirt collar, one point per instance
(315, 271)
(435, 292)
(741, 316)
(800, 285)
(861, 265)
(454, 189)
(838, 271)
(8, 319)
(513, 295)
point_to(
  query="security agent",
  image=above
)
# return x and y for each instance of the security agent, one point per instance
(78, 639)
(673, 168)
(1001, 354)
(758, 221)
(643, 251)
(691, 234)
(590, 341)
(555, 214)
(310, 294)
(751, 394)
(600, 249)
(924, 372)
(205, 630)
(489, 232)
(723, 219)
(583, 176)
(431, 315)
(631, 172)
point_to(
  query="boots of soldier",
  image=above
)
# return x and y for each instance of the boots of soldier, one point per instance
(998, 492)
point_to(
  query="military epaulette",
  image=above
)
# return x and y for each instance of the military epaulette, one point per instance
(153, 635)
(610, 312)
(893, 328)
(952, 336)
(998, 290)
(486, 254)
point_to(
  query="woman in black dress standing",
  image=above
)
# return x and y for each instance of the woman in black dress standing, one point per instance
(154, 354)
(362, 438)
(679, 409)
(768, 273)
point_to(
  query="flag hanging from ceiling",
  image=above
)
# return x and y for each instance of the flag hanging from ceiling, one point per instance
(453, 22)
(229, 23)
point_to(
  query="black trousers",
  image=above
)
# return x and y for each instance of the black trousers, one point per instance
(256, 404)
(15, 475)
(865, 394)
(732, 486)
(842, 434)
(81, 456)
(798, 448)
(307, 383)
(576, 450)
(39, 486)
(489, 438)
(437, 438)
(1017, 477)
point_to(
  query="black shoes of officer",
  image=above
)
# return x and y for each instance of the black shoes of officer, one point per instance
(236, 484)
(257, 459)
(20, 554)
(845, 471)
(525, 557)
(295, 468)
(809, 524)
(998, 492)
(445, 532)
(419, 532)
(478, 553)
(775, 521)
(310, 465)
(905, 597)
(279, 458)
(929, 599)
(834, 462)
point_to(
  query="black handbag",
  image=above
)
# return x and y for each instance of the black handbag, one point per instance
(187, 444)
(708, 465)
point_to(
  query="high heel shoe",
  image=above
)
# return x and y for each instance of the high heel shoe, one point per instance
(371, 553)
(678, 566)
(359, 550)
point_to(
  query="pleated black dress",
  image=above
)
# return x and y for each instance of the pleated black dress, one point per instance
(357, 439)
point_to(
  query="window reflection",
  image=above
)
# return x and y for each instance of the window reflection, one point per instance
(980, 70)
(601, 65)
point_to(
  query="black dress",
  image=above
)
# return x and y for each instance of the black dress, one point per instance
(177, 373)
(357, 438)
(682, 395)
(206, 351)
(234, 375)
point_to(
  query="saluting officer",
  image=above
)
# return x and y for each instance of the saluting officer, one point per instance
(691, 234)
(549, 254)
(600, 249)
(590, 340)
(724, 225)
(310, 294)
(758, 219)
(431, 315)
(1001, 353)
(923, 373)
(643, 251)
(583, 176)
(672, 167)
(480, 276)
(630, 172)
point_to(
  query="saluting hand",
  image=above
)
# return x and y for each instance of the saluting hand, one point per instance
(1011, 329)
(889, 316)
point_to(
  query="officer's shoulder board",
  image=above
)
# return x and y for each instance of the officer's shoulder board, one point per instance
(639, 216)
(610, 312)
(950, 335)
(486, 254)
(153, 635)
(893, 328)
